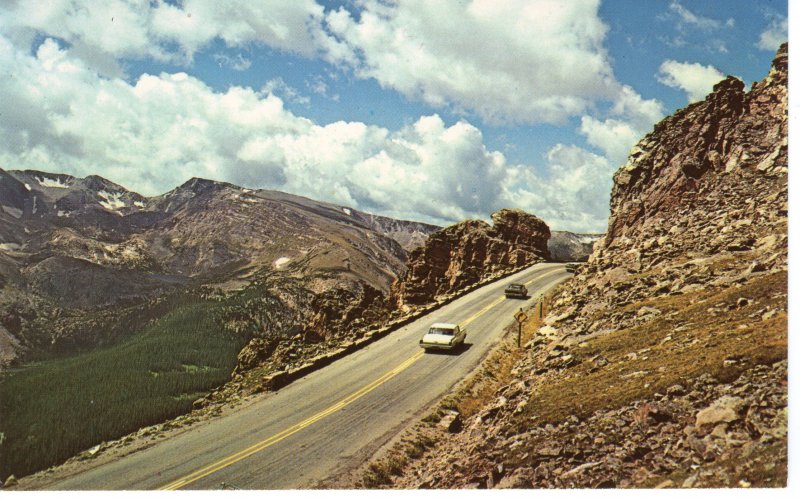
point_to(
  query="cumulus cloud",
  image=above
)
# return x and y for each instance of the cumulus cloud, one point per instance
(98, 30)
(693, 78)
(776, 33)
(517, 61)
(630, 118)
(689, 18)
(573, 194)
(512, 61)
(156, 132)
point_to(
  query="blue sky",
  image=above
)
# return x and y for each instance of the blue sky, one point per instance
(434, 111)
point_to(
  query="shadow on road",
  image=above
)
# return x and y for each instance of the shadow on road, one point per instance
(453, 352)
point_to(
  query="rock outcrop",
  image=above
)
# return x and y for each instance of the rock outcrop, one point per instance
(707, 152)
(465, 253)
(663, 362)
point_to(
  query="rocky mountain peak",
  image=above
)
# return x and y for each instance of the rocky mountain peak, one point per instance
(97, 183)
(729, 136)
(566, 246)
(519, 227)
(15, 196)
(198, 185)
(182, 195)
(780, 64)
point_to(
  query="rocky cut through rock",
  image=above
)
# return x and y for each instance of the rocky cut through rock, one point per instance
(465, 253)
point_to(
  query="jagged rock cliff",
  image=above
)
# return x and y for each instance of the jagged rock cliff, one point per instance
(465, 253)
(663, 363)
(727, 151)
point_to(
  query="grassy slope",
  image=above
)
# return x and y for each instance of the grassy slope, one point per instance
(714, 329)
(52, 410)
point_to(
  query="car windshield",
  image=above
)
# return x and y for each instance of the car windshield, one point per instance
(440, 331)
(515, 287)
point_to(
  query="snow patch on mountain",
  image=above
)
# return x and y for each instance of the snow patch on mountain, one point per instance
(51, 183)
(112, 201)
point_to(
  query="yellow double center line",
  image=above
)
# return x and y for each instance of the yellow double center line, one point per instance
(236, 457)
(261, 445)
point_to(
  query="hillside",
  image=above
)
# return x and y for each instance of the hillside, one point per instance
(664, 362)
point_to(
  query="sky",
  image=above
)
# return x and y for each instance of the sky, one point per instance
(431, 111)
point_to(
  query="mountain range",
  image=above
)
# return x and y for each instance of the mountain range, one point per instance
(72, 244)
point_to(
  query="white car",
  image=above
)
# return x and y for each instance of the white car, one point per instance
(445, 336)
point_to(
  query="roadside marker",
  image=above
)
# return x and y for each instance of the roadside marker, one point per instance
(520, 317)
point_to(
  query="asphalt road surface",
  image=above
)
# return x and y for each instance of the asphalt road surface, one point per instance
(331, 419)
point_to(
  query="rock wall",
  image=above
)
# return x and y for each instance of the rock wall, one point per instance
(722, 153)
(465, 253)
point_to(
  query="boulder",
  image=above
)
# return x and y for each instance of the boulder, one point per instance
(451, 422)
(725, 409)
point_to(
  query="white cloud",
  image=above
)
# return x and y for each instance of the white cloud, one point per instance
(319, 86)
(512, 61)
(693, 78)
(615, 137)
(279, 87)
(573, 196)
(698, 30)
(631, 118)
(776, 33)
(153, 134)
(101, 29)
(687, 17)
(236, 63)
(515, 61)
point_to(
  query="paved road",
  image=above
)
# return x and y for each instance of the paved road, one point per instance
(330, 419)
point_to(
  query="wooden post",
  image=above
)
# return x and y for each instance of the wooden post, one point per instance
(520, 317)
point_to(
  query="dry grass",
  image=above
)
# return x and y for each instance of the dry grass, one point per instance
(693, 335)
(497, 369)
(380, 473)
